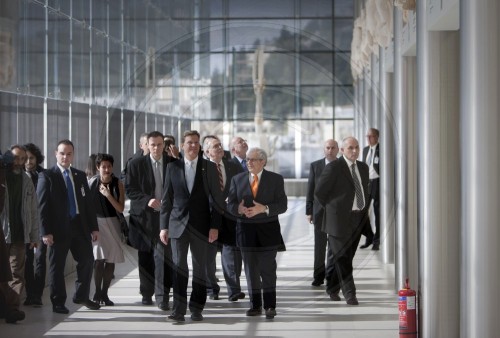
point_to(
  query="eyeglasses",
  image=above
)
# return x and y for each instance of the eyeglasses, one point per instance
(254, 159)
(217, 146)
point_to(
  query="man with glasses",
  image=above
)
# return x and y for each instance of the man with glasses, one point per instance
(257, 198)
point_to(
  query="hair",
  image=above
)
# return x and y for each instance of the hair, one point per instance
(190, 133)
(375, 131)
(66, 142)
(91, 169)
(206, 140)
(260, 153)
(169, 137)
(33, 148)
(18, 146)
(155, 134)
(101, 157)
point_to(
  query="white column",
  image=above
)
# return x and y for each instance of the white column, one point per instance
(480, 126)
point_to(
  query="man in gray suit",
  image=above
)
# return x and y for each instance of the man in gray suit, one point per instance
(343, 191)
(190, 216)
(314, 211)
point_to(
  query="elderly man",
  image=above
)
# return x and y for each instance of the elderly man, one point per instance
(342, 190)
(257, 198)
(239, 148)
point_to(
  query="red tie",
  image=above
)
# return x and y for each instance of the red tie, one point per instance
(221, 179)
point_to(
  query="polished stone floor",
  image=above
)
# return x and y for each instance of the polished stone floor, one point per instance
(302, 310)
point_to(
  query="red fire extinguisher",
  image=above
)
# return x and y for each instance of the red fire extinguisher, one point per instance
(407, 312)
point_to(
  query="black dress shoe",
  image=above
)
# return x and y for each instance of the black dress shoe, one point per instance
(214, 296)
(376, 247)
(352, 301)
(37, 302)
(317, 282)
(163, 306)
(176, 317)
(196, 316)
(367, 244)
(147, 300)
(270, 313)
(236, 296)
(60, 309)
(254, 312)
(88, 304)
(14, 316)
(335, 297)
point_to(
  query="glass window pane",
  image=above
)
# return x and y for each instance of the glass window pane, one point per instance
(100, 15)
(316, 8)
(80, 134)
(343, 73)
(32, 50)
(261, 8)
(81, 63)
(115, 74)
(344, 102)
(279, 102)
(343, 34)
(99, 69)
(343, 8)
(246, 34)
(316, 68)
(317, 102)
(316, 35)
(59, 57)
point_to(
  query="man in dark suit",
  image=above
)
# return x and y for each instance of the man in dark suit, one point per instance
(239, 148)
(314, 211)
(143, 151)
(231, 254)
(257, 198)
(67, 222)
(371, 156)
(144, 187)
(342, 190)
(190, 217)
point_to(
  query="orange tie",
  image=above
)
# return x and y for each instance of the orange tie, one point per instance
(255, 185)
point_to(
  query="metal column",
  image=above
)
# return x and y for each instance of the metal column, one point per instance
(480, 118)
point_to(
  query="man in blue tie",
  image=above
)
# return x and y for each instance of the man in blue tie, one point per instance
(239, 148)
(67, 223)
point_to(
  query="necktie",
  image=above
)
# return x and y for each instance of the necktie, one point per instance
(158, 181)
(357, 188)
(71, 194)
(255, 185)
(190, 176)
(369, 158)
(244, 165)
(221, 178)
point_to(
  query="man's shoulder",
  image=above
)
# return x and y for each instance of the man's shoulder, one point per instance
(273, 175)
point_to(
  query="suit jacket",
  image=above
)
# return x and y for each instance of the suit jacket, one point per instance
(376, 157)
(335, 192)
(54, 207)
(140, 188)
(227, 231)
(261, 230)
(202, 208)
(235, 160)
(313, 207)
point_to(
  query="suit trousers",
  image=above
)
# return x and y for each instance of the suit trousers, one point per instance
(231, 267)
(260, 270)
(213, 287)
(320, 243)
(146, 262)
(163, 271)
(17, 260)
(80, 245)
(35, 270)
(375, 196)
(341, 255)
(197, 243)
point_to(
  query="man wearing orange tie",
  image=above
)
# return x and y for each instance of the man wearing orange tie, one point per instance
(256, 198)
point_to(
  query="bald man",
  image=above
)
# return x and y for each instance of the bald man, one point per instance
(314, 211)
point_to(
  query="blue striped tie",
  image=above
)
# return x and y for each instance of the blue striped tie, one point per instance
(71, 194)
